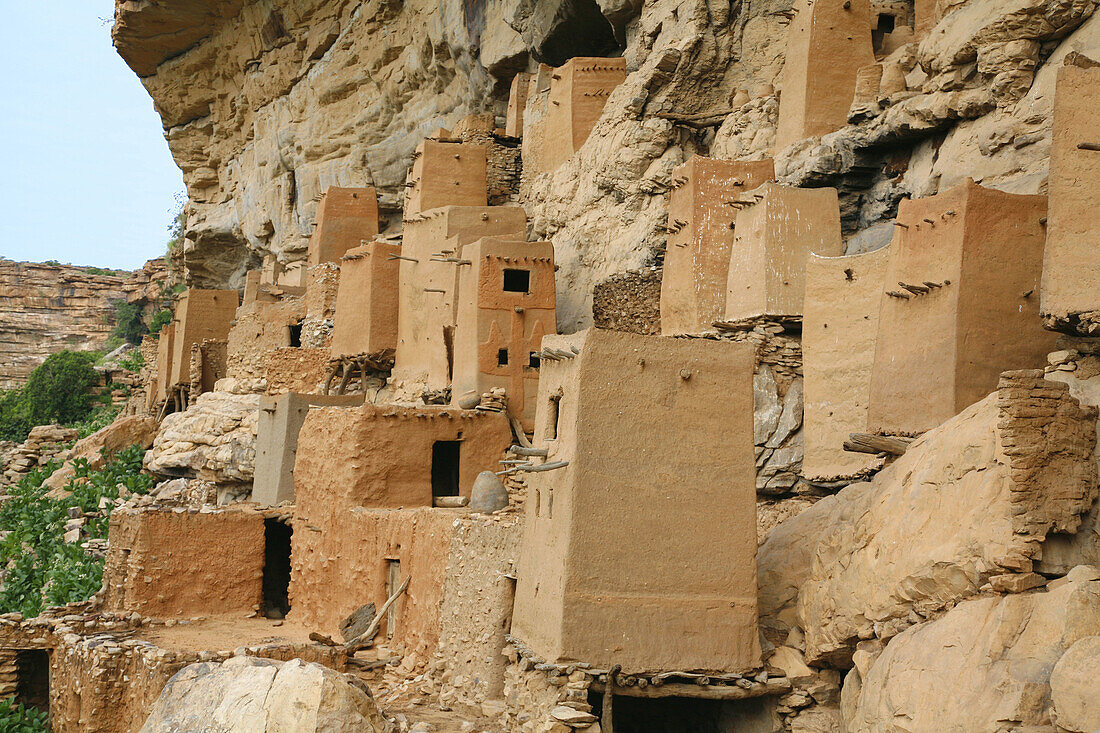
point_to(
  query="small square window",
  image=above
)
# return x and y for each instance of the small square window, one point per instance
(533, 361)
(502, 357)
(517, 281)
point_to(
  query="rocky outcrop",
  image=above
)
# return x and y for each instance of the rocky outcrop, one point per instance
(253, 694)
(214, 439)
(45, 308)
(98, 447)
(1003, 662)
(969, 503)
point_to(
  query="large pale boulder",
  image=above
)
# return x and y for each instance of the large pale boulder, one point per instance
(214, 439)
(251, 695)
(986, 666)
(970, 500)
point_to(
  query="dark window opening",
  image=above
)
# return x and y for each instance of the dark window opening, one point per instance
(445, 461)
(276, 582)
(33, 679)
(533, 361)
(681, 714)
(296, 335)
(449, 345)
(552, 417)
(502, 357)
(884, 26)
(517, 281)
(393, 582)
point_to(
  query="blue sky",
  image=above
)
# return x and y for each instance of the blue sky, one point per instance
(86, 174)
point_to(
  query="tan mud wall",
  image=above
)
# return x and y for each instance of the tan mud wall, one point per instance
(339, 563)
(367, 301)
(701, 217)
(828, 42)
(423, 314)
(345, 217)
(377, 457)
(941, 351)
(260, 327)
(773, 238)
(446, 174)
(159, 562)
(1071, 269)
(200, 314)
(839, 329)
(295, 370)
(636, 422)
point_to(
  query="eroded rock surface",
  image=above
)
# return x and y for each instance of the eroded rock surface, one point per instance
(259, 695)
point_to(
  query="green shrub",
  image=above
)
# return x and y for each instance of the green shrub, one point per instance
(129, 325)
(133, 361)
(37, 566)
(160, 319)
(100, 417)
(14, 718)
(57, 391)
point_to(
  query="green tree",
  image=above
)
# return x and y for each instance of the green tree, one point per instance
(129, 325)
(57, 391)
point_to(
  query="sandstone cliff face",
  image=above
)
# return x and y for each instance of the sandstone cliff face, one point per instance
(47, 308)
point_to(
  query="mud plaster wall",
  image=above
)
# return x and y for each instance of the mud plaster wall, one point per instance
(446, 174)
(828, 42)
(701, 216)
(277, 429)
(322, 280)
(200, 314)
(367, 301)
(563, 110)
(289, 369)
(839, 330)
(1071, 270)
(207, 365)
(492, 321)
(941, 351)
(648, 491)
(377, 457)
(159, 562)
(164, 362)
(424, 316)
(339, 562)
(259, 328)
(476, 610)
(345, 217)
(773, 238)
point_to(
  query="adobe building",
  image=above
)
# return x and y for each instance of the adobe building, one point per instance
(428, 280)
(446, 173)
(701, 216)
(777, 229)
(165, 352)
(387, 456)
(567, 108)
(200, 315)
(345, 218)
(517, 101)
(640, 546)
(166, 563)
(277, 429)
(506, 305)
(959, 306)
(839, 330)
(828, 41)
(260, 327)
(367, 300)
(1071, 269)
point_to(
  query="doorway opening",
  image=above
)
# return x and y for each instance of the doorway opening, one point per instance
(517, 281)
(681, 714)
(276, 582)
(445, 462)
(33, 679)
(296, 335)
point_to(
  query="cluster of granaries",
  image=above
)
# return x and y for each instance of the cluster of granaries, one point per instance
(639, 535)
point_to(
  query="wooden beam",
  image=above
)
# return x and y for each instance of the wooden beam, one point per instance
(777, 686)
(868, 443)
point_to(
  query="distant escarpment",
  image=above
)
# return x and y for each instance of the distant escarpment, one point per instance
(46, 308)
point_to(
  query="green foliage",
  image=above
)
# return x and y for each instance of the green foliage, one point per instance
(133, 361)
(14, 718)
(55, 392)
(160, 319)
(129, 325)
(104, 271)
(37, 566)
(100, 417)
(55, 263)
